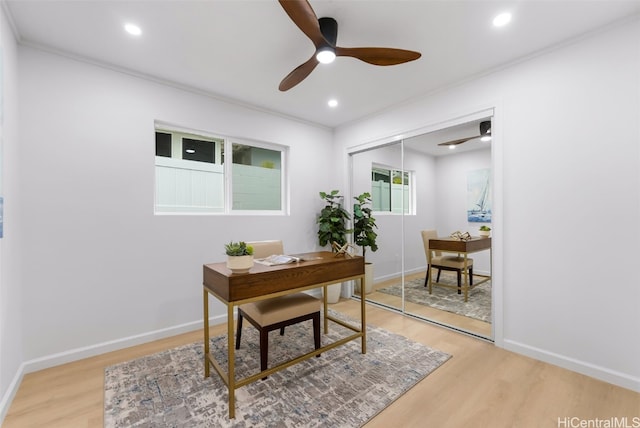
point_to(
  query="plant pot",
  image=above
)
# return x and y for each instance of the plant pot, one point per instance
(333, 293)
(239, 264)
(368, 279)
(484, 233)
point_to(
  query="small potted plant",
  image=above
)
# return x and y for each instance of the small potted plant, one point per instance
(239, 256)
(332, 227)
(485, 231)
(364, 234)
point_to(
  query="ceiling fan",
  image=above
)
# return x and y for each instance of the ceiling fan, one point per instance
(323, 33)
(485, 135)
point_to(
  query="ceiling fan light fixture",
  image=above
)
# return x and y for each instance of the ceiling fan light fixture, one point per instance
(326, 55)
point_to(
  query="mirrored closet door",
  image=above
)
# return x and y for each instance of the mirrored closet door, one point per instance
(375, 171)
(438, 182)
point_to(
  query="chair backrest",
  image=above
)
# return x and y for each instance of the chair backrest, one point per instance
(426, 235)
(262, 249)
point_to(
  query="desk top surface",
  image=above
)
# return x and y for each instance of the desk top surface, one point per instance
(316, 268)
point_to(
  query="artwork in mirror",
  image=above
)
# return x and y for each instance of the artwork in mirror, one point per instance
(479, 196)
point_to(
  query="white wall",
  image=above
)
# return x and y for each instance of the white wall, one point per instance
(566, 154)
(11, 326)
(101, 266)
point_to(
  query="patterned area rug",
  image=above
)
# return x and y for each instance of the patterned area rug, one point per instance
(341, 388)
(447, 299)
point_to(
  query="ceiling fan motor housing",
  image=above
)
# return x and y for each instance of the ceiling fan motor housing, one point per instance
(485, 127)
(329, 29)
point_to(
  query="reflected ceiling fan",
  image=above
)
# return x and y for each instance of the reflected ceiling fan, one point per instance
(485, 135)
(323, 33)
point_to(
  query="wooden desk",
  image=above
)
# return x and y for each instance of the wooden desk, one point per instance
(452, 245)
(265, 282)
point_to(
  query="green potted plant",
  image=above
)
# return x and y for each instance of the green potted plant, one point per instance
(332, 220)
(239, 256)
(332, 227)
(485, 231)
(364, 234)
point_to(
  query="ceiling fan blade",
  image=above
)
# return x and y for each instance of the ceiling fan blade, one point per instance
(298, 74)
(379, 56)
(302, 14)
(456, 142)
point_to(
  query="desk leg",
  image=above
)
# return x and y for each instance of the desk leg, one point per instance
(363, 317)
(231, 362)
(326, 308)
(205, 299)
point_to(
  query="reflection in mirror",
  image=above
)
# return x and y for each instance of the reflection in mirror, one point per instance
(437, 181)
(378, 171)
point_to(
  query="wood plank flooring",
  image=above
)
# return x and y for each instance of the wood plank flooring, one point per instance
(481, 386)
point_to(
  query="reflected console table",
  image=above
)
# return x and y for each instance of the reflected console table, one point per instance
(315, 270)
(453, 245)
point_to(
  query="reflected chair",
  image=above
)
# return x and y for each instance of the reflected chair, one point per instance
(279, 312)
(442, 261)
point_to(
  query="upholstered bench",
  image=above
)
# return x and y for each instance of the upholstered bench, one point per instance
(277, 313)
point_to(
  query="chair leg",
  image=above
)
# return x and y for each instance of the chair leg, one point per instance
(281, 331)
(438, 277)
(264, 349)
(426, 278)
(471, 275)
(459, 275)
(239, 330)
(316, 331)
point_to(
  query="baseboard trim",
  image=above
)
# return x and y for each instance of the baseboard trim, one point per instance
(604, 374)
(11, 392)
(114, 345)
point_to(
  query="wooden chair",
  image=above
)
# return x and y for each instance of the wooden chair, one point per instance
(445, 262)
(279, 312)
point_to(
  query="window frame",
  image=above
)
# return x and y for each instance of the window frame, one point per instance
(226, 158)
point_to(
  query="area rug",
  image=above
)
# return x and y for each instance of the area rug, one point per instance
(447, 299)
(341, 388)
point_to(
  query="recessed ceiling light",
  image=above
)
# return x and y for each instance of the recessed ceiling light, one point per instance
(190, 151)
(502, 19)
(485, 138)
(132, 29)
(333, 103)
(452, 146)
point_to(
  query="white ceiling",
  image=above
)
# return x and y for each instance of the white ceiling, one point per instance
(241, 50)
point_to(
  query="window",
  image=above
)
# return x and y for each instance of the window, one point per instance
(391, 190)
(191, 172)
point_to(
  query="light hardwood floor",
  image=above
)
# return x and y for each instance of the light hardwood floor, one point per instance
(481, 386)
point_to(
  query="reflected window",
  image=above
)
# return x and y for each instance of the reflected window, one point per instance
(391, 190)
